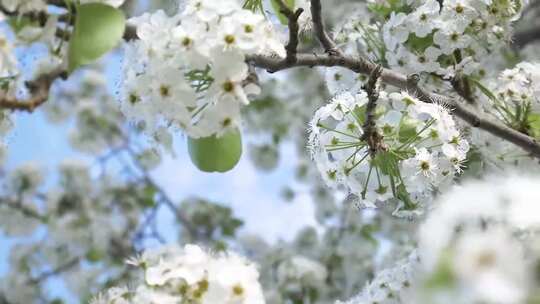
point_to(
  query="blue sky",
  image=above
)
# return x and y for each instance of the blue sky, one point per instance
(253, 195)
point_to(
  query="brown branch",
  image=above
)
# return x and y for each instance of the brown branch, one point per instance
(130, 33)
(294, 28)
(362, 66)
(371, 136)
(39, 89)
(462, 86)
(522, 38)
(318, 25)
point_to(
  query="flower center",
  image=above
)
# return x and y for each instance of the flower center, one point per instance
(186, 42)
(133, 98)
(238, 290)
(228, 86)
(229, 39)
(164, 91)
(485, 260)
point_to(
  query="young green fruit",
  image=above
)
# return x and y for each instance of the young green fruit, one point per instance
(98, 29)
(216, 154)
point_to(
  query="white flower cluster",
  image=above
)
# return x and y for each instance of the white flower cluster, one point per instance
(24, 180)
(24, 6)
(419, 148)
(480, 242)
(190, 275)
(514, 99)
(300, 273)
(516, 93)
(390, 286)
(478, 245)
(449, 39)
(189, 70)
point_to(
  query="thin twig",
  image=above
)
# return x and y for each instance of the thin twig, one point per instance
(164, 196)
(320, 31)
(58, 270)
(294, 28)
(39, 90)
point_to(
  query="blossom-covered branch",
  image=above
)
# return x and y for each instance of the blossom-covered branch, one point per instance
(363, 66)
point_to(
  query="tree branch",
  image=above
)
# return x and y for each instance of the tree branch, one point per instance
(318, 25)
(362, 66)
(186, 223)
(58, 270)
(521, 39)
(39, 90)
(294, 28)
(371, 136)
(463, 88)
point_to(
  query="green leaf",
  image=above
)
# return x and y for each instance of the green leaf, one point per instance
(387, 163)
(216, 154)
(533, 122)
(254, 5)
(360, 113)
(384, 10)
(277, 9)
(404, 196)
(98, 29)
(407, 129)
(420, 44)
(485, 90)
